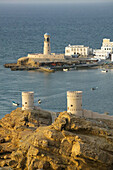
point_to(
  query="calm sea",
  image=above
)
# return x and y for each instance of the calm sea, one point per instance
(21, 32)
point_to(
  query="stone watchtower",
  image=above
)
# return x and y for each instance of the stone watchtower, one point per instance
(47, 48)
(27, 100)
(74, 102)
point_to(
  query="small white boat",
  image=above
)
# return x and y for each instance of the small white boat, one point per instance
(94, 88)
(39, 101)
(14, 103)
(104, 71)
(65, 69)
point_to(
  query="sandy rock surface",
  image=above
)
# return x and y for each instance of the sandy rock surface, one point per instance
(70, 143)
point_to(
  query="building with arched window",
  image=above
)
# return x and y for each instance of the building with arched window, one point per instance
(105, 51)
(73, 50)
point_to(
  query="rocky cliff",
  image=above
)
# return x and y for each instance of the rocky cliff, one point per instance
(70, 143)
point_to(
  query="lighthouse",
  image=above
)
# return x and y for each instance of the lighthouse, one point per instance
(47, 48)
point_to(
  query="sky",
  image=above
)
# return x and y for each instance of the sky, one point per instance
(55, 1)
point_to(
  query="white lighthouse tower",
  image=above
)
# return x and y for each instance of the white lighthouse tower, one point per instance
(47, 48)
(28, 100)
(74, 102)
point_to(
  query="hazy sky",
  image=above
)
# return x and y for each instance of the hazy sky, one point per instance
(54, 1)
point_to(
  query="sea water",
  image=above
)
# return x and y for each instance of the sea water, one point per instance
(22, 27)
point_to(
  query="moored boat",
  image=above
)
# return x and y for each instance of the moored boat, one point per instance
(65, 69)
(39, 101)
(104, 71)
(14, 103)
(94, 88)
(47, 69)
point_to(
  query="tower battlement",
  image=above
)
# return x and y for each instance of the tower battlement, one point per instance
(74, 102)
(27, 100)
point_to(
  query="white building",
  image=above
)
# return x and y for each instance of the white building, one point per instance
(112, 57)
(101, 54)
(107, 45)
(72, 50)
(106, 49)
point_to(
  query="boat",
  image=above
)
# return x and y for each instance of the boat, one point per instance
(94, 88)
(47, 69)
(65, 69)
(14, 103)
(39, 101)
(104, 71)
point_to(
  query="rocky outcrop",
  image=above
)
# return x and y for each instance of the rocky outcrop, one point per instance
(17, 125)
(70, 143)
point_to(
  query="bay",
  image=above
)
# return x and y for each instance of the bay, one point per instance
(21, 32)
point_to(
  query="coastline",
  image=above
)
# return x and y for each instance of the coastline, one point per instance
(33, 142)
(26, 63)
(50, 68)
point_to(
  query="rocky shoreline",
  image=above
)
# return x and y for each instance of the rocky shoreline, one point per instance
(48, 67)
(29, 141)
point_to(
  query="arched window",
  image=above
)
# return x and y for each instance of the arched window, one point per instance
(47, 39)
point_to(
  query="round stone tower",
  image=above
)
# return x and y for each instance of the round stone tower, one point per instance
(27, 100)
(74, 102)
(47, 48)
